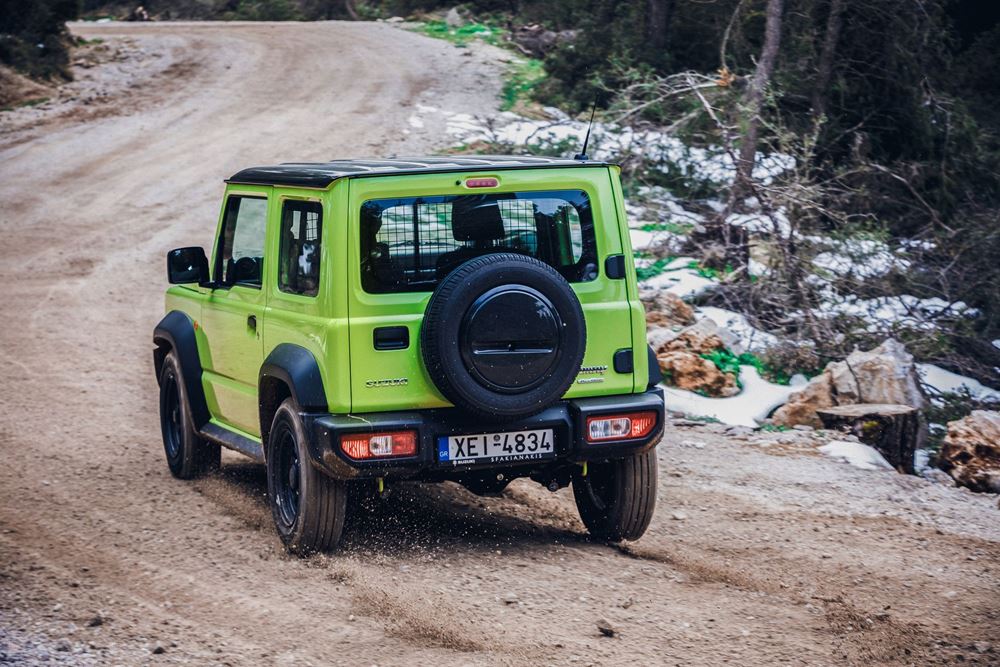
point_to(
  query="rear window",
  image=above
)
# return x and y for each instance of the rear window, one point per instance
(409, 244)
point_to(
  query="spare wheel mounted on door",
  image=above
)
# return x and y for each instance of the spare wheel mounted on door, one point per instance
(503, 336)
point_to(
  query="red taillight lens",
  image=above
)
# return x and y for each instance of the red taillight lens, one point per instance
(620, 427)
(481, 182)
(379, 445)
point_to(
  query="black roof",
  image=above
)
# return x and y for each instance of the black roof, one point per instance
(322, 174)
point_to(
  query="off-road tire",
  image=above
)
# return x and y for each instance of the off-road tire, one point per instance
(445, 357)
(188, 455)
(617, 498)
(308, 507)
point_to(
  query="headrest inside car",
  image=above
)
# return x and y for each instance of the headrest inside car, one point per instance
(476, 219)
(371, 218)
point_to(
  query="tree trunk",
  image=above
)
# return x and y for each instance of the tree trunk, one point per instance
(351, 10)
(824, 70)
(658, 15)
(891, 429)
(753, 101)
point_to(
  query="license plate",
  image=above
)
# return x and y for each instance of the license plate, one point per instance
(497, 447)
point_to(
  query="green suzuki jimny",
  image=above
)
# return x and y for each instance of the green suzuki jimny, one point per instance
(362, 322)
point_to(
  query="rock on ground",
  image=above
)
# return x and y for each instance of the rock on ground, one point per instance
(688, 371)
(885, 374)
(971, 451)
(679, 355)
(666, 309)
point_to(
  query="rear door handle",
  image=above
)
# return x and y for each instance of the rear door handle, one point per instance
(252, 322)
(391, 338)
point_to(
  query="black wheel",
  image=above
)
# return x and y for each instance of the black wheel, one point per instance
(503, 336)
(188, 455)
(617, 498)
(308, 507)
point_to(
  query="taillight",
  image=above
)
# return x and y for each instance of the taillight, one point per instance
(489, 182)
(620, 427)
(379, 445)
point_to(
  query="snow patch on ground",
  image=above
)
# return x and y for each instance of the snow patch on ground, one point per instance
(642, 239)
(902, 311)
(751, 339)
(860, 258)
(608, 142)
(775, 224)
(653, 203)
(857, 454)
(748, 408)
(946, 382)
(684, 282)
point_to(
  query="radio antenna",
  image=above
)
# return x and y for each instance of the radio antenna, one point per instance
(582, 155)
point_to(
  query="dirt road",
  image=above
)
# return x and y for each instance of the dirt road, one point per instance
(761, 551)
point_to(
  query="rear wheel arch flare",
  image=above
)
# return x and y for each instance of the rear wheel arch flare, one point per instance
(290, 371)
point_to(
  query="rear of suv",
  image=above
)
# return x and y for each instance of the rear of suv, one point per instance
(363, 322)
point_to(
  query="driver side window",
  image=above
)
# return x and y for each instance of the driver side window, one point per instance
(241, 247)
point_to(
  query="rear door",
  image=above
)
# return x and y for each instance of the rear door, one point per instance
(401, 242)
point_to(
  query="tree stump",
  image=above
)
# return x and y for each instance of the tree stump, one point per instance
(893, 430)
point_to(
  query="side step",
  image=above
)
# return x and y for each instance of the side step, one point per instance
(233, 441)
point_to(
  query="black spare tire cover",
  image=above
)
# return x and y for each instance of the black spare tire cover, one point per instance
(503, 336)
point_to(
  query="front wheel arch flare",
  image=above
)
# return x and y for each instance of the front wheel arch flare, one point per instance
(175, 332)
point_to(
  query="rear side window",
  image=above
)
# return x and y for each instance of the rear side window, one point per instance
(410, 244)
(299, 252)
(241, 247)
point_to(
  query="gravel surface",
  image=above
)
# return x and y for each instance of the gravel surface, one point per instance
(761, 552)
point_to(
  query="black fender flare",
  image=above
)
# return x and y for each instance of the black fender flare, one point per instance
(297, 369)
(176, 332)
(655, 374)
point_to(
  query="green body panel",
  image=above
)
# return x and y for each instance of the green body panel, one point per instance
(337, 325)
(605, 302)
(638, 314)
(320, 323)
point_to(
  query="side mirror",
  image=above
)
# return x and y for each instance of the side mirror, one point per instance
(187, 265)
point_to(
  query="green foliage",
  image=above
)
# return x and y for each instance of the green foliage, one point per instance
(33, 36)
(463, 34)
(788, 358)
(724, 360)
(946, 408)
(656, 268)
(774, 428)
(951, 406)
(678, 228)
(728, 362)
(265, 10)
(710, 272)
(522, 78)
(767, 371)
(27, 103)
(523, 75)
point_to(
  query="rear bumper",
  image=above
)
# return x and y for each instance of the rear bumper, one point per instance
(567, 418)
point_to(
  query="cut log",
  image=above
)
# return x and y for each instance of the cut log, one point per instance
(893, 430)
